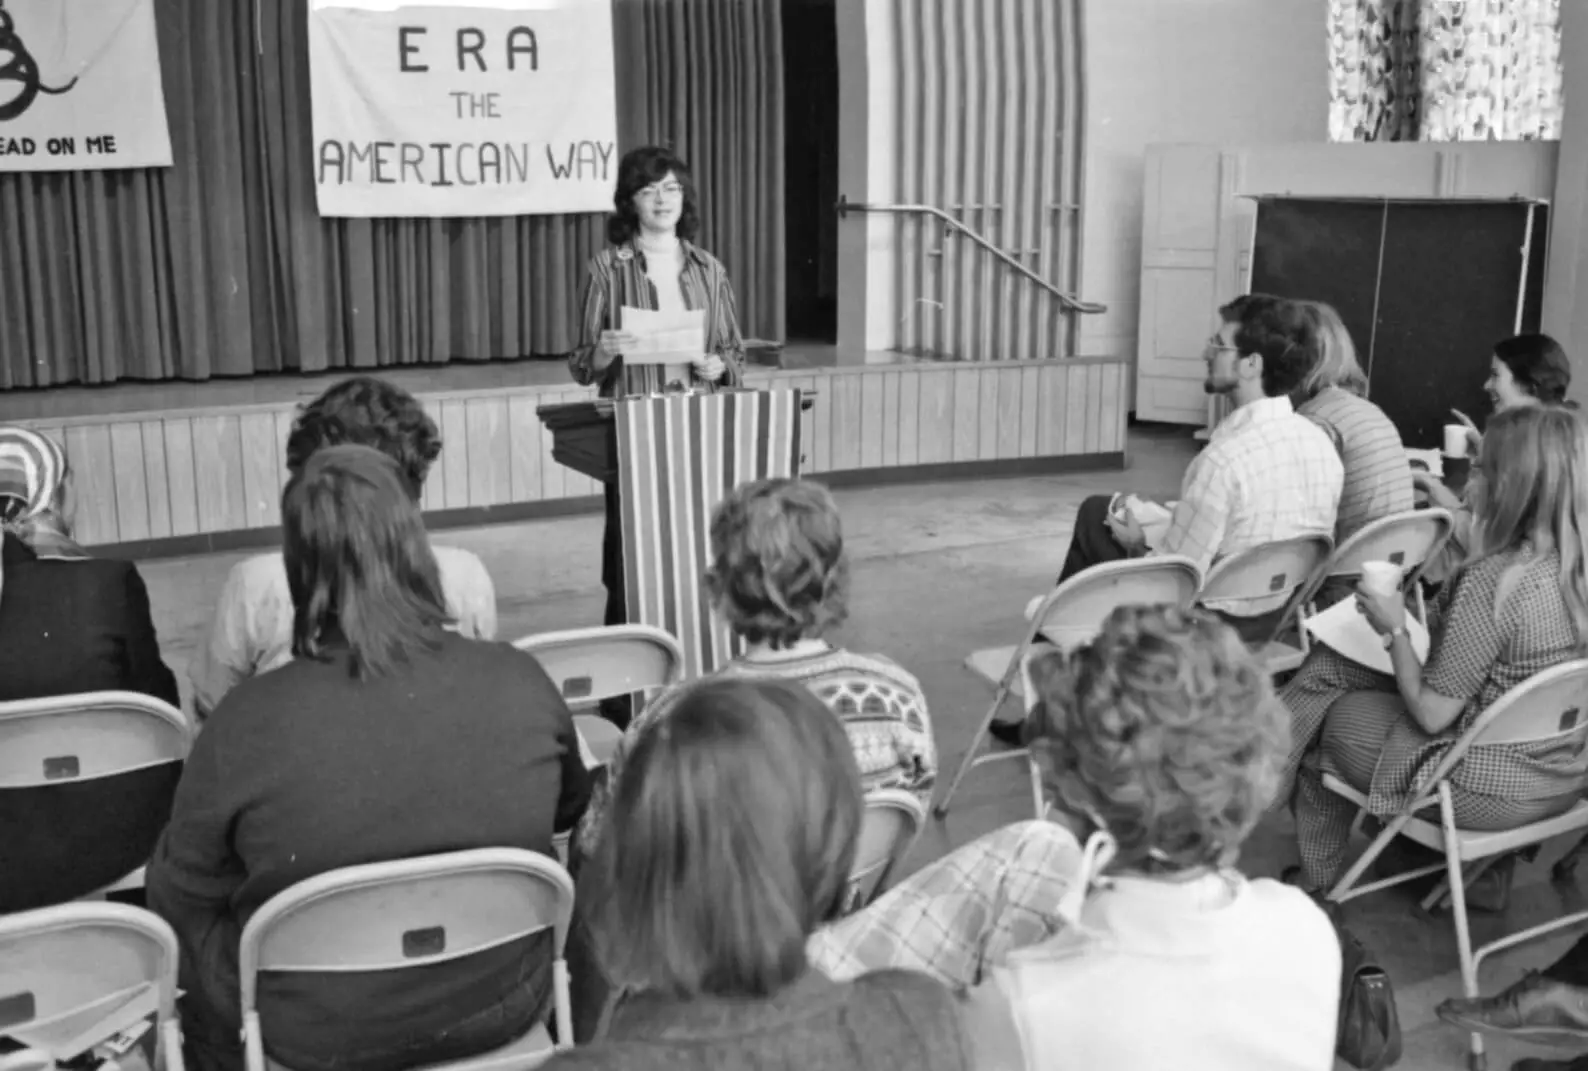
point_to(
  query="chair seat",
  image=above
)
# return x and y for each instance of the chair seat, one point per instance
(1475, 844)
(600, 736)
(531, 1050)
(991, 665)
(1281, 657)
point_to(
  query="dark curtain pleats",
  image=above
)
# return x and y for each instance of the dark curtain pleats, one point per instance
(221, 266)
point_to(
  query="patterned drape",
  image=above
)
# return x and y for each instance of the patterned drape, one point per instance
(1444, 70)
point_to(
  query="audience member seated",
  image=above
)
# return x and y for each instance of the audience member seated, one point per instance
(1518, 606)
(780, 579)
(1266, 475)
(1160, 747)
(732, 836)
(1551, 1002)
(252, 629)
(69, 623)
(388, 736)
(1378, 481)
(1524, 371)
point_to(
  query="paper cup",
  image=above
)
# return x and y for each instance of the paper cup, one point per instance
(1455, 440)
(1381, 578)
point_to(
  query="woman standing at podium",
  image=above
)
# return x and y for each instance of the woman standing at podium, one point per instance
(651, 263)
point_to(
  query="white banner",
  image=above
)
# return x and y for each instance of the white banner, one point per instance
(80, 86)
(446, 108)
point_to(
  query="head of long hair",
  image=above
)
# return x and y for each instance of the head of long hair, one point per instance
(1538, 364)
(1532, 490)
(359, 564)
(729, 839)
(1336, 364)
(644, 167)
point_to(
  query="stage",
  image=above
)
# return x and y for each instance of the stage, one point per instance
(184, 468)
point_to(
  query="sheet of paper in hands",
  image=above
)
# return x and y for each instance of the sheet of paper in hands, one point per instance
(1431, 461)
(1343, 629)
(1153, 518)
(664, 337)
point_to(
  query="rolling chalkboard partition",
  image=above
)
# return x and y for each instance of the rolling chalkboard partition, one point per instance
(1426, 287)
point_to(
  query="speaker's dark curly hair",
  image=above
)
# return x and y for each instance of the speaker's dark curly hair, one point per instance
(644, 167)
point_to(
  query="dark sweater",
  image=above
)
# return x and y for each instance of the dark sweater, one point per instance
(76, 626)
(307, 769)
(883, 1021)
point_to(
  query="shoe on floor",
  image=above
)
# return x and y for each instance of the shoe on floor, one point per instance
(1535, 1006)
(1012, 733)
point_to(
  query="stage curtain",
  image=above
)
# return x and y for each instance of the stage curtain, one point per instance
(1430, 70)
(220, 265)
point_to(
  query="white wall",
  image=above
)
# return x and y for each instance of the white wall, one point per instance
(1246, 72)
(1566, 275)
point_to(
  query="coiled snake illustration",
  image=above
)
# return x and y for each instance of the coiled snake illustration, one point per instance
(17, 65)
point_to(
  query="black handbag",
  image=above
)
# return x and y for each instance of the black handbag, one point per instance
(1369, 1031)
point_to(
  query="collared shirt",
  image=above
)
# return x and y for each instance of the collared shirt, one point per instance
(617, 278)
(1266, 475)
(252, 629)
(1378, 477)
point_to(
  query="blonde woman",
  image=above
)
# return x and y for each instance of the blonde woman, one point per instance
(1378, 480)
(1518, 606)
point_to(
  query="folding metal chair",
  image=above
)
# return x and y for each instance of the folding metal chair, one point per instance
(413, 913)
(1292, 566)
(1072, 614)
(892, 820)
(592, 664)
(73, 960)
(1410, 540)
(1550, 706)
(113, 756)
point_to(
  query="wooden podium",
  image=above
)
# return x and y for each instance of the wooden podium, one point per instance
(673, 457)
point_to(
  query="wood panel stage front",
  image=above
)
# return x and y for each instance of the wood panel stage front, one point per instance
(187, 480)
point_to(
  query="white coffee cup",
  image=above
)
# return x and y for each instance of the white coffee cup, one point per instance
(1382, 578)
(1456, 440)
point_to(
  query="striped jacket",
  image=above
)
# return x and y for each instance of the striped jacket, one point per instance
(617, 278)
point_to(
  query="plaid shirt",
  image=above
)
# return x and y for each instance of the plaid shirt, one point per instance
(1266, 475)
(956, 918)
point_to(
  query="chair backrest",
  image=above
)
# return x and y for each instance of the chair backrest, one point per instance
(1285, 567)
(406, 913)
(87, 736)
(57, 960)
(1405, 539)
(1074, 612)
(86, 785)
(1550, 704)
(889, 826)
(592, 664)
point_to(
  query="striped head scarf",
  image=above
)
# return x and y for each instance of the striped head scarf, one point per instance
(32, 470)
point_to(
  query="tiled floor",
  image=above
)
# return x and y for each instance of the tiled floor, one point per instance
(941, 570)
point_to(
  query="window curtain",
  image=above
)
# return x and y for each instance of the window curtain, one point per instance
(221, 266)
(1444, 70)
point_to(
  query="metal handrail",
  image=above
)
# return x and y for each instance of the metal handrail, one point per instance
(1070, 302)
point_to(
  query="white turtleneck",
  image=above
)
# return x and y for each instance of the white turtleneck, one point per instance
(663, 266)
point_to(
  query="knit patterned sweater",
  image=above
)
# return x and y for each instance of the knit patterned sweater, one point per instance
(879, 703)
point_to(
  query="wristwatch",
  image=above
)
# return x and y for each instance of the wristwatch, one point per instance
(1389, 637)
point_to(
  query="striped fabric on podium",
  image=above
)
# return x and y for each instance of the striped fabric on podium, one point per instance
(677, 456)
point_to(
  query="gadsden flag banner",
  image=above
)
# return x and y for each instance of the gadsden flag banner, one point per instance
(80, 86)
(445, 108)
